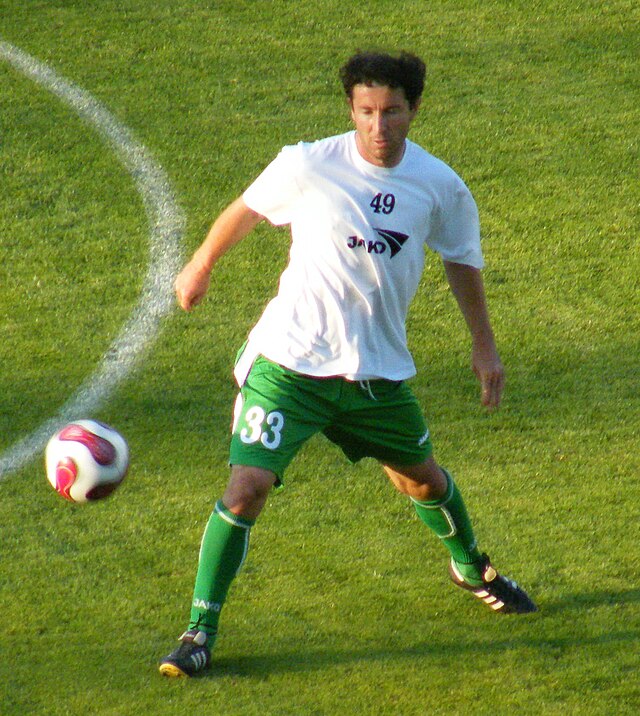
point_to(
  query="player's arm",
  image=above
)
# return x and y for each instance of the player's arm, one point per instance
(235, 222)
(468, 288)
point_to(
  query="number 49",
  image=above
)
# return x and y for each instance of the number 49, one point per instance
(384, 204)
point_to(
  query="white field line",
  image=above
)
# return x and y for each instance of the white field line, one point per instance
(166, 225)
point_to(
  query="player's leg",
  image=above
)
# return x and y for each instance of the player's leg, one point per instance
(445, 513)
(223, 550)
(440, 506)
(384, 420)
(275, 413)
(225, 544)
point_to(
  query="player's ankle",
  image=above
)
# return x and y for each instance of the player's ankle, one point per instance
(471, 572)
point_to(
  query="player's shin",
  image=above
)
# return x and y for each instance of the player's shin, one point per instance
(449, 519)
(222, 553)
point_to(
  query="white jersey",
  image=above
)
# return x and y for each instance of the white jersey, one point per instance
(358, 233)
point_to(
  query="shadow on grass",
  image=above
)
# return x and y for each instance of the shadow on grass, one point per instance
(302, 659)
(588, 600)
(307, 660)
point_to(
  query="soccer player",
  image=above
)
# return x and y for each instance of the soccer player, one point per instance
(329, 353)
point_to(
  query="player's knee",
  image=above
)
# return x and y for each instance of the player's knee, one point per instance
(247, 490)
(423, 482)
(424, 492)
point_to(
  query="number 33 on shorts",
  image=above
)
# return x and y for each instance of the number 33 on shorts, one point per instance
(259, 425)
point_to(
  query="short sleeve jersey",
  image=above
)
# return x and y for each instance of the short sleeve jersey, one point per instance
(358, 238)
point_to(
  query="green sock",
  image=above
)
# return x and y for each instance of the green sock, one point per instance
(449, 519)
(222, 553)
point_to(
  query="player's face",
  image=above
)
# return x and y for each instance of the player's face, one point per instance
(382, 118)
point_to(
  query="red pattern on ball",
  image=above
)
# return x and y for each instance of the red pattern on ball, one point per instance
(66, 473)
(101, 450)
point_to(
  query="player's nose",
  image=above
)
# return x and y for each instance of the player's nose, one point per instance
(379, 122)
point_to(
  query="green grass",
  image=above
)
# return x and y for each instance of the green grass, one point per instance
(344, 605)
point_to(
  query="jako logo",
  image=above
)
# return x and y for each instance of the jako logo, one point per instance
(394, 240)
(208, 606)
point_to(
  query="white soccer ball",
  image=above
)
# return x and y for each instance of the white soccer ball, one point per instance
(86, 460)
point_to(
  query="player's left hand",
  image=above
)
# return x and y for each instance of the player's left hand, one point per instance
(489, 370)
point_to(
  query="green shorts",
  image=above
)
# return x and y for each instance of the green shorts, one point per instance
(278, 410)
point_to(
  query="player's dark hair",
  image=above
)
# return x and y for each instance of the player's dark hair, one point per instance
(380, 68)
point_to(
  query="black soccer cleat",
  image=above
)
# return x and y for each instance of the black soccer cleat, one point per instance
(500, 593)
(190, 658)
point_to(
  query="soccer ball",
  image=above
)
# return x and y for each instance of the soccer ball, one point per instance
(86, 460)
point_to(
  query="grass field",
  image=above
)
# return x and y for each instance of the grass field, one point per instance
(344, 606)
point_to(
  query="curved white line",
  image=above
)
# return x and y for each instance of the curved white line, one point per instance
(156, 300)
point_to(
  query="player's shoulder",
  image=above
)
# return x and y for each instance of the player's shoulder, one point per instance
(428, 162)
(325, 148)
(309, 156)
(318, 148)
(433, 170)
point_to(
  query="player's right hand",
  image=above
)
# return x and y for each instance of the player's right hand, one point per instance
(191, 285)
